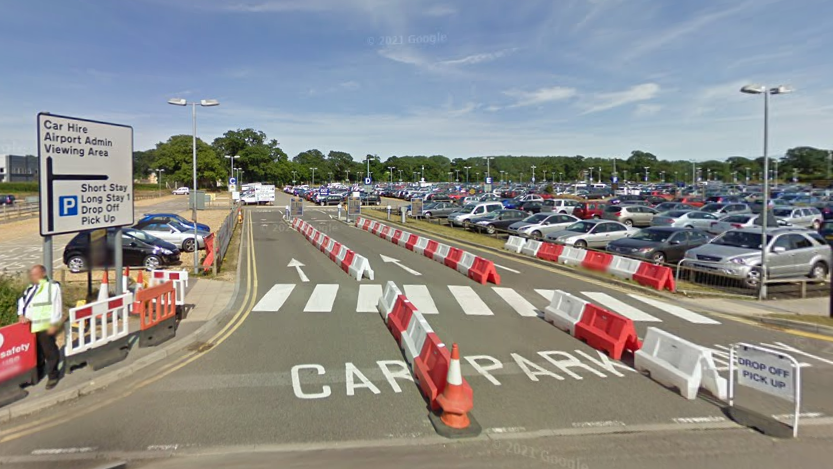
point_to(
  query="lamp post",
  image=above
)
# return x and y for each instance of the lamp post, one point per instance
(600, 174)
(775, 179)
(501, 176)
(545, 176)
(449, 176)
(591, 175)
(646, 173)
(662, 176)
(560, 174)
(391, 168)
(458, 174)
(747, 175)
(294, 177)
(203, 103)
(400, 175)
(312, 183)
(348, 175)
(533, 172)
(158, 179)
(232, 158)
(422, 174)
(766, 91)
(467, 168)
(488, 166)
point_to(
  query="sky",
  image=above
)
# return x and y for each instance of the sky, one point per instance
(598, 78)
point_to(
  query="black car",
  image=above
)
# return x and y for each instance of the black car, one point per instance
(826, 231)
(6, 199)
(659, 244)
(138, 249)
(370, 199)
(332, 199)
(497, 220)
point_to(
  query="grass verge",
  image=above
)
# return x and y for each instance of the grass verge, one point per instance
(819, 320)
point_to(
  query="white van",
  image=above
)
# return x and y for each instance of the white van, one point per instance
(468, 211)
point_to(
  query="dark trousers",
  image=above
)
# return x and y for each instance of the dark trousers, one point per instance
(48, 355)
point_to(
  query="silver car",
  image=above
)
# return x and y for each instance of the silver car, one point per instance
(723, 209)
(630, 215)
(685, 219)
(177, 234)
(540, 224)
(591, 233)
(791, 253)
(563, 205)
(745, 220)
(805, 217)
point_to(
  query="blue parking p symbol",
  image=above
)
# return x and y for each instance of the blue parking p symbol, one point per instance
(68, 205)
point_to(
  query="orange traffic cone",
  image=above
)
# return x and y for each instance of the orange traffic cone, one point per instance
(125, 280)
(104, 291)
(140, 282)
(454, 401)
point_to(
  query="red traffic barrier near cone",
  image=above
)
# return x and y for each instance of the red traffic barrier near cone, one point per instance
(456, 402)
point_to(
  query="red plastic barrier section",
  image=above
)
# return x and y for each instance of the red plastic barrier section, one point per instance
(324, 243)
(384, 232)
(595, 260)
(18, 354)
(412, 240)
(348, 259)
(607, 331)
(366, 225)
(453, 257)
(335, 251)
(655, 276)
(431, 369)
(400, 317)
(155, 304)
(483, 270)
(396, 236)
(550, 251)
(431, 248)
(209, 253)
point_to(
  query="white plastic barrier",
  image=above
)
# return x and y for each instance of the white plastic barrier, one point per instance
(389, 235)
(623, 267)
(531, 247)
(360, 267)
(572, 256)
(514, 244)
(465, 263)
(414, 337)
(420, 245)
(403, 240)
(178, 277)
(342, 253)
(674, 361)
(359, 222)
(441, 253)
(316, 240)
(329, 246)
(565, 311)
(388, 299)
(374, 227)
(97, 324)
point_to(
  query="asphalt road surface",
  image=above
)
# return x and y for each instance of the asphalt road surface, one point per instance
(306, 362)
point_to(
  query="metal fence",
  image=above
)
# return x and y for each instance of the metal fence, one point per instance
(224, 234)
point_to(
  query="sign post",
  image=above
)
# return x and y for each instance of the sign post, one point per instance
(86, 179)
(416, 207)
(768, 371)
(354, 208)
(296, 206)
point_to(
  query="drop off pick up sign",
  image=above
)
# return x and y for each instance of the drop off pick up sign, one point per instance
(766, 372)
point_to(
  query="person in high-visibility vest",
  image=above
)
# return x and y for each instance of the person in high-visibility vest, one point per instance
(42, 308)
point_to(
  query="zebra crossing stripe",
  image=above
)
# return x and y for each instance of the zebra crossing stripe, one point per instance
(675, 310)
(516, 301)
(617, 306)
(547, 294)
(274, 299)
(368, 297)
(471, 303)
(421, 298)
(322, 299)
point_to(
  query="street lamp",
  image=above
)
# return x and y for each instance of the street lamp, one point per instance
(294, 178)
(766, 91)
(747, 175)
(158, 179)
(391, 168)
(422, 174)
(467, 168)
(646, 173)
(501, 176)
(545, 176)
(458, 174)
(203, 103)
(449, 175)
(488, 167)
(348, 175)
(232, 158)
(591, 175)
(662, 176)
(533, 172)
(312, 183)
(400, 175)
(559, 177)
(600, 173)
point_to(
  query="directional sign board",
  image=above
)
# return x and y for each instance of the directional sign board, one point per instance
(232, 181)
(614, 179)
(296, 206)
(86, 174)
(771, 373)
(368, 181)
(323, 191)
(488, 179)
(354, 206)
(416, 207)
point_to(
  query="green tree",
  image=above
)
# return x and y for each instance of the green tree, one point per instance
(260, 158)
(175, 157)
(143, 162)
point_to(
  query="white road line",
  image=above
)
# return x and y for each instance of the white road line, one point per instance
(54, 451)
(617, 306)
(516, 301)
(675, 310)
(421, 298)
(368, 298)
(469, 301)
(322, 298)
(274, 298)
(547, 294)
(507, 268)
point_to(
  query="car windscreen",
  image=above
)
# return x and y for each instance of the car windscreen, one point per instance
(782, 212)
(141, 236)
(180, 227)
(468, 207)
(651, 235)
(712, 207)
(537, 218)
(741, 239)
(581, 227)
(675, 213)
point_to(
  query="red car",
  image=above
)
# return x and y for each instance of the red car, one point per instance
(588, 210)
(693, 201)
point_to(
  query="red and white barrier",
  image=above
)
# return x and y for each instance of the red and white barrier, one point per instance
(572, 256)
(465, 263)
(387, 300)
(623, 267)
(565, 311)
(178, 277)
(515, 244)
(354, 264)
(441, 253)
(420, 245)
(96, 324)
(531, 247)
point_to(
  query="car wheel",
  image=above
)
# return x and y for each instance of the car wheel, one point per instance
(753, 278)
(536, 235)
(658, 258)
(628, 223)
(466, 224)
(152, 262)
(77, 264)
(816, 225)
(689, 227)
(427, 215)
(188, 245)
(490, 229)
(581, 244)
(819, 271)
(595, 217)
(563, 211)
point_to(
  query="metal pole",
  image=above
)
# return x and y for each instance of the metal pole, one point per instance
(47, 255)
(765, 210)
(194, 211)
(118, 255)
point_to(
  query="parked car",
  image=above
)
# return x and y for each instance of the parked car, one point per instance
(668, 206)
(181, 191)
(439, 209)
(826, 231)
(538, 225)
(591, 233)
(564, 205)
(497, 220)
(370, 199)
(332, 199)
(7, 199)
(175, 233)
(169, 217)
(743, 220)
(537, 206)
(659, 244)
(720, 209)
(462, 215)
(791, 252)
(805, 217)
(630, 215)
(694, 201)
(685, 219)
(138, 249)
(588, 210)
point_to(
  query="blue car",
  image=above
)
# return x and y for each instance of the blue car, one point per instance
(169, 217)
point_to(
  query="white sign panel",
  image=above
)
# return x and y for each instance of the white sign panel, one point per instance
(86, 174)
(771, 373)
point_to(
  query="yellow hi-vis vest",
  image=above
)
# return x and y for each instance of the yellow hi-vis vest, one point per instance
(41, 307)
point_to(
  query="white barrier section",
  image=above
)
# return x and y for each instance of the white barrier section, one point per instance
(342, 253)
(360, 267)
(565, 311)
(178, 277)
(388, 299)
(531, 247)
(96, 324)
(466, 261)
(359, 222)
(420, 246)
(623, 267)
(414, 336)
(572, 256)
(514, 244)
(441, 253)
(329, 246)
(674, 361)
(374, 227)
(403, 240)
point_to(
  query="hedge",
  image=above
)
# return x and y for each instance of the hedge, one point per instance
(11, 287)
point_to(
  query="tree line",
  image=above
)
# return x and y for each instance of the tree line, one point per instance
(261, 159)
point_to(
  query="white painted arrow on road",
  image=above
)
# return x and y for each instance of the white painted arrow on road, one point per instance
(298, 265)
(387, 259)
(507, 268)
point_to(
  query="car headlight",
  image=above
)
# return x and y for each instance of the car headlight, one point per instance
(643, 250)
(166, 252)
(738, 260)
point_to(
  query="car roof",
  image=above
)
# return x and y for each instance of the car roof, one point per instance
(670, 229)
(773, 230)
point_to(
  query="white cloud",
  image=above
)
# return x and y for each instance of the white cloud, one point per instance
(440, 10)
(644, 110)
(479, 58)
(605, 101)
(540, 96)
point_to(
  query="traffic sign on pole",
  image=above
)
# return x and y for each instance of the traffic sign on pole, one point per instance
(232, 180)
(368, 181)
(488, 179)
(86, 174)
